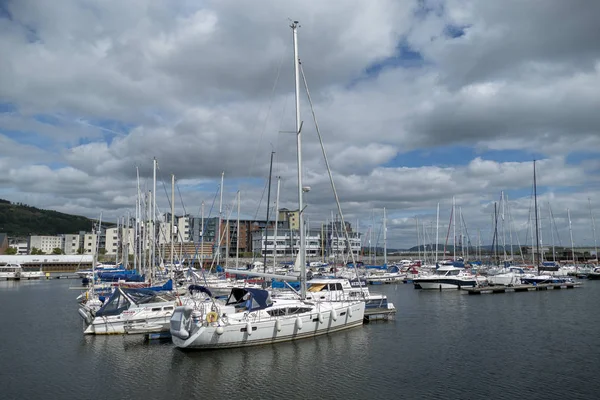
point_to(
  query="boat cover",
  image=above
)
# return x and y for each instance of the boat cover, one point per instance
(253, 299)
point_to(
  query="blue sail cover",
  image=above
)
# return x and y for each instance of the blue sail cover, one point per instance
(168, 285)
(383, 267)
(549, 266)
(199, 289)
(275, 284)
(119, 300)
(254, 299)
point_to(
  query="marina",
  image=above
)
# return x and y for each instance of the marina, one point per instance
(422, 341)
(299, 200)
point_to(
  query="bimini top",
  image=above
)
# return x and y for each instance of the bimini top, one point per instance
(254, 299)
(121, 299)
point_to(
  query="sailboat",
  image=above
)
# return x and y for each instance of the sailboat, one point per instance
(535, 279)
(250, 316)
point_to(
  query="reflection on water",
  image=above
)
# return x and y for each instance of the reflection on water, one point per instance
(441, 345)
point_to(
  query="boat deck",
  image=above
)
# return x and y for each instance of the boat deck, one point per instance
(522, 288)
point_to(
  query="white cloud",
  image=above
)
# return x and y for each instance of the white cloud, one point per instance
(103, 88)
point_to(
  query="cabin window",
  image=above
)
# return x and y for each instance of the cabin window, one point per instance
(168, 308)
(342, 313)
(245, 330)
(156, 309)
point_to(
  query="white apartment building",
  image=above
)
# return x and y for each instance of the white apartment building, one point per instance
(89, 243)
(113, 239)
(21, 247)
(71, 243)
(45, 243)
(183, 232)
(288, 243)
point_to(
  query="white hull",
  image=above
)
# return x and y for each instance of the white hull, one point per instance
(258, 331)
(32, 275)
(433, 285)
(147, 318)
(10, 276)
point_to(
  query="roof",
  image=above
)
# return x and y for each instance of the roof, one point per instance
(49, 258)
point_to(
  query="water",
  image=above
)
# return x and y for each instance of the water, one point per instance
(441, 345)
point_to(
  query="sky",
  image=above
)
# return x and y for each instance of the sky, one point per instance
(418, 102)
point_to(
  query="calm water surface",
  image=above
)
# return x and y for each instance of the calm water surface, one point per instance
(441, 345)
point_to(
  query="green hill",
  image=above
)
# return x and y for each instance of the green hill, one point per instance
(20, 220)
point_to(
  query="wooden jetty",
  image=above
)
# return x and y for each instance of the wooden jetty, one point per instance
(522, 288)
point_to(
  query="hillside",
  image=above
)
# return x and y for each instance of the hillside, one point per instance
(20, 220)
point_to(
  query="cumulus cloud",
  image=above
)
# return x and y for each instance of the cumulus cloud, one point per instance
(91, 93)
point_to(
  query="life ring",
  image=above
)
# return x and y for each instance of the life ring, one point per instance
(212, 317)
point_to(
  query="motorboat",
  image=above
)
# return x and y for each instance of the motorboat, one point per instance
(447, 277)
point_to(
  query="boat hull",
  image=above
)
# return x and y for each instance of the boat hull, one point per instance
(206, 335)
(154, 318)
(437, 284)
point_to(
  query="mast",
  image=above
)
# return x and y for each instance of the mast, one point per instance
(496, 234)
(454, 227)
(541, 255)
(571, 233)
(418, 238)
(537, 237)
(218, 239)
(277, 222)
(237, 241)
(384, 239)
(437, 232)
(172, 227)
(594, 230)
(302, 254)
(267, 221)
(552, 233)
(95, 258)
(136, 236)
(153, 258)
(512, 255)
(202, 237)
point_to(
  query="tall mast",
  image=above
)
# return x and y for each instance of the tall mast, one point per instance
(593, 229)
(551, 219)
(136, 235)
(237, 241)
(418, 238)
(153, 238)
(268, 208)
(302, 254)
(384, 239)
(172, 227)
(537, 237)
(437, 232)
(512, 255)
(218, 239)
(571, 233)
(276, 222)
(202, 237)
(454, 226)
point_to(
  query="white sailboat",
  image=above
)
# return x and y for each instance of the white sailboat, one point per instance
(250, 316)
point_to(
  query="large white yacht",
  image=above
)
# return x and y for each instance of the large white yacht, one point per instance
(251, 317)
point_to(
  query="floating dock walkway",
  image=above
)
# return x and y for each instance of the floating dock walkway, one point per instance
(379, 314)
(522, 288)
